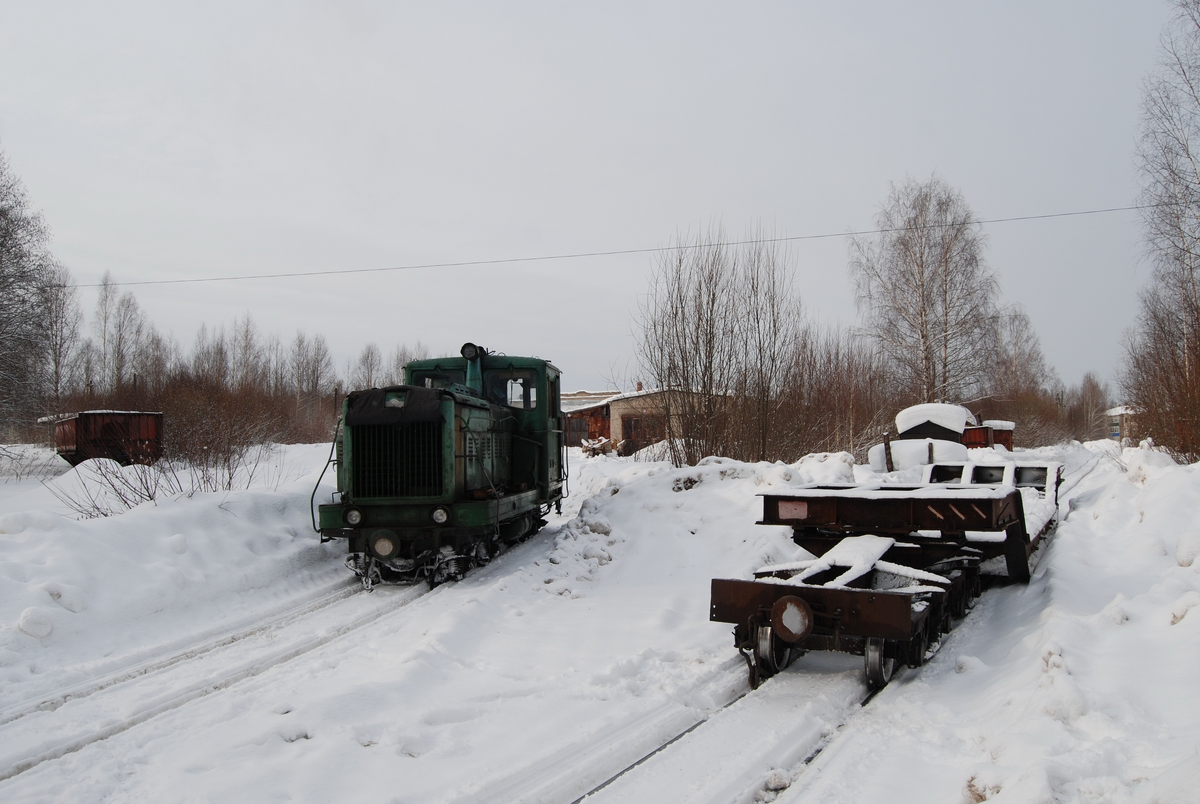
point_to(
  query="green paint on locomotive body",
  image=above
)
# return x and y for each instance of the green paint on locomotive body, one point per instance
(481, 443)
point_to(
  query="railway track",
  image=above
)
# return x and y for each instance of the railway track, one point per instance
(748, 744)
(731, 756)
(164, 658)
(571, 772)
(53, 726)
(769, 738)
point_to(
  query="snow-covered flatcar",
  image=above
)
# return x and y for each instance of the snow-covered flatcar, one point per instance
(895, 564)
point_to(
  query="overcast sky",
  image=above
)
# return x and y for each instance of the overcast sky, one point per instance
(168, 141)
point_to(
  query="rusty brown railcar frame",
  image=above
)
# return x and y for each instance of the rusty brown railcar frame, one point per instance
(821, 519)
(122, 435)
(845, 617)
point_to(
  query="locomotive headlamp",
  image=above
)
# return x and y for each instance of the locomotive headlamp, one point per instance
(440, 515)
(353, 516)
(470, 351)
(383, 546)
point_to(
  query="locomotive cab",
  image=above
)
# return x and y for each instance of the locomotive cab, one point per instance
(436, 475)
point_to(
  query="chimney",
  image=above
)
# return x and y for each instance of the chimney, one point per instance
(639, 386)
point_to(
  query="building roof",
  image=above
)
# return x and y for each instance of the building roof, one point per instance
(577, 401)
(1121, 410)
(582, 400)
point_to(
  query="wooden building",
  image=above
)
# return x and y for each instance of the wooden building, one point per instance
(630, 421)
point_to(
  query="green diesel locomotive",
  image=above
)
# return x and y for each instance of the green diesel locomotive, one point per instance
(437, 475)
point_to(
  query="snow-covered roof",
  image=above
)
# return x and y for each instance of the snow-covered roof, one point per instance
(581, 400)
(584, 400)
(886, 491)
(1121, 410)
(952, 417)
(62, 417)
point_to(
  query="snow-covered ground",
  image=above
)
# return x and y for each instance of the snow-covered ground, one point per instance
(209, 648)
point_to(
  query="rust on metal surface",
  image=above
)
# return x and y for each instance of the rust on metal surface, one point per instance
(121, 435)
(928, 525)
(792, 618)
(976, 437)
(854, 612)
(898, 510)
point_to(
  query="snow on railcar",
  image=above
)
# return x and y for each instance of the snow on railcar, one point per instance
(895, 564)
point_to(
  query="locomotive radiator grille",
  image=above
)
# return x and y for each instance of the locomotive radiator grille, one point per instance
(397, 460)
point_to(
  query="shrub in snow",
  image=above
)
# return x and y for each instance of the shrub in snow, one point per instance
(69, 597)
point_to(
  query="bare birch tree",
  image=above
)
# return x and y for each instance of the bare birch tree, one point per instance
(248, 369)
(772, 331)
(24, 264)
(720, 331)
(63, 321)
(1162, 364)
(1018, 365)
(119, 328)
(369, 369)
(926, 297)
(401, 356)
(688, 344)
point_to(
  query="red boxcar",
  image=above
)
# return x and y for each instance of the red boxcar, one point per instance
(125, 436)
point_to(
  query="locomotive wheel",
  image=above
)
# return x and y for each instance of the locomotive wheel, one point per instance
(771, 653)
(1016, 555)
(879, 669)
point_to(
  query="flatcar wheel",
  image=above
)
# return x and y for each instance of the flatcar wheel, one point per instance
(878, 667)
(917, 647)
(958, 604)
(771, 653)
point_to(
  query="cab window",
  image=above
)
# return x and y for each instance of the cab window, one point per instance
(437, 378)
(515, 389)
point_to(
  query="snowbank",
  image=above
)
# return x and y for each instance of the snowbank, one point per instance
(81, 598)
(1079, 687)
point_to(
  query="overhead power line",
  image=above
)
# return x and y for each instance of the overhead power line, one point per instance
(613, 253)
